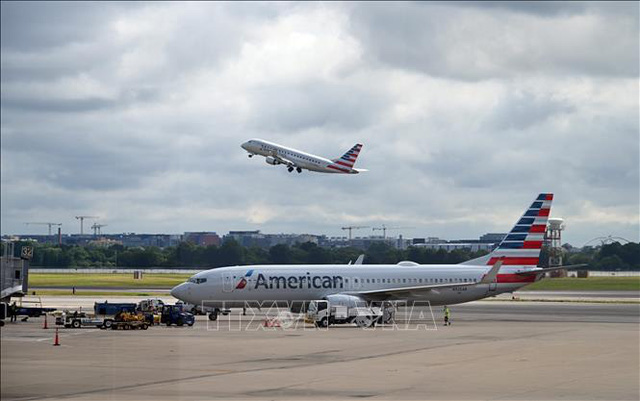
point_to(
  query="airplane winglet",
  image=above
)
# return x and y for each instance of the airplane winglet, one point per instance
(493, 273)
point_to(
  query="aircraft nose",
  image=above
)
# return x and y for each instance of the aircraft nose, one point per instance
(245, 146)
(179, 291)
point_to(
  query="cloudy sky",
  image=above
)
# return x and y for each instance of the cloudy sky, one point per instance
(136, 112)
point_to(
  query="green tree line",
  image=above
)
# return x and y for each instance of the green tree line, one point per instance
(607, 257)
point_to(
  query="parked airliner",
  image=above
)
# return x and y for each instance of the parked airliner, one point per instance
(297, 160)
(511, 266)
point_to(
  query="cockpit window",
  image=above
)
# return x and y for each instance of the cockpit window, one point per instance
(197, 280)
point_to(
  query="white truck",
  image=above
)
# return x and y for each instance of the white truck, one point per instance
(78, 319)
(322, 313)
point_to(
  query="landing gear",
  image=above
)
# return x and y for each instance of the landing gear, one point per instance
(290, 169)
(299, 170)
(250, 155)
(213, 315)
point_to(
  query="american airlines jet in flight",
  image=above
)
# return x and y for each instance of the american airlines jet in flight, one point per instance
(295, 159)
(511, 266)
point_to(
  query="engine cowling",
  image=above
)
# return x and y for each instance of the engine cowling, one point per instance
(271, 160)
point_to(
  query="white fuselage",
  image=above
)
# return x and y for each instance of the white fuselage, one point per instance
(232, 286)
(274, 152)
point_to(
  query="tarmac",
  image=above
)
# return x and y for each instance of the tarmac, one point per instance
(492, 351)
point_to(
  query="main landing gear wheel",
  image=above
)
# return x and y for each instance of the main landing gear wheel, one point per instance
(213, 316)
(250, 156)
(299, 170)
(290, 169)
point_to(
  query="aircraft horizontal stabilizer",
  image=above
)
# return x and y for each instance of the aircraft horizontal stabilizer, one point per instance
(550, 269)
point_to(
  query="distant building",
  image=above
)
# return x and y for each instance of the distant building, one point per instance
(451, 246)
(493, 237)
(157, 240)
(203, 238)
(333, 242)
(104, 242)
(247, 238)
(257, 239)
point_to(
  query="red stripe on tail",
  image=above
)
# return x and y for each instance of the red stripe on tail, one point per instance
(509, 261)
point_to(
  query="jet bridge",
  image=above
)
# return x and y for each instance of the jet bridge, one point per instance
(14, 271)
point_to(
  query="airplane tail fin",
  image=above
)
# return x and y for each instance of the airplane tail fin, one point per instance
(521, 247)
(348, 159)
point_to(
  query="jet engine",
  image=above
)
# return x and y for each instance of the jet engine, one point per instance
(271, 160)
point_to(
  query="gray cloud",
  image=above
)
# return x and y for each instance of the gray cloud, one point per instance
(284, 108)
(135, 112)
(474, 41)
(34, 26)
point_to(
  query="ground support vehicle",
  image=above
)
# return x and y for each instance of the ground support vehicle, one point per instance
(108, 311)
(322, 313)
(78, 319)
(153, 305)
(174, 314)
(128, 321)
(152, 318)
(8, 310)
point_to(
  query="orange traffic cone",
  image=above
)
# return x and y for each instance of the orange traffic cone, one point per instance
(44, 326)
(57, 340)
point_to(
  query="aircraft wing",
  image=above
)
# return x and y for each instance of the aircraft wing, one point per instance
(405, 292)
(414, 292)
(282, 160)
(285, 161)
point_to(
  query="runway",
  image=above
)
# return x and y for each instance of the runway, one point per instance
(493, 350)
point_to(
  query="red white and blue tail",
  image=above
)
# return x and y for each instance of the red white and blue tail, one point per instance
(521, 247)
(346, 162)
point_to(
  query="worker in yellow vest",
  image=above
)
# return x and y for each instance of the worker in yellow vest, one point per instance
(447, 316)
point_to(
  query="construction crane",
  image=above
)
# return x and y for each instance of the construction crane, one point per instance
(47, 224)
(384, 229)
(81, 218)
(353, 228)
(96, 228)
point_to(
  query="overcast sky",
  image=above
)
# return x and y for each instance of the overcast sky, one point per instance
(135, 113)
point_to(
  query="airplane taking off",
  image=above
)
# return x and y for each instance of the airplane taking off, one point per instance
(509, 267)
(297, 160)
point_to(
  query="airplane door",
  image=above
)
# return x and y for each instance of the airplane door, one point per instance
(227, 282)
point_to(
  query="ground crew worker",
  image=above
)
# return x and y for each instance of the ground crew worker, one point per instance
(13, 311)
(447, 316)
